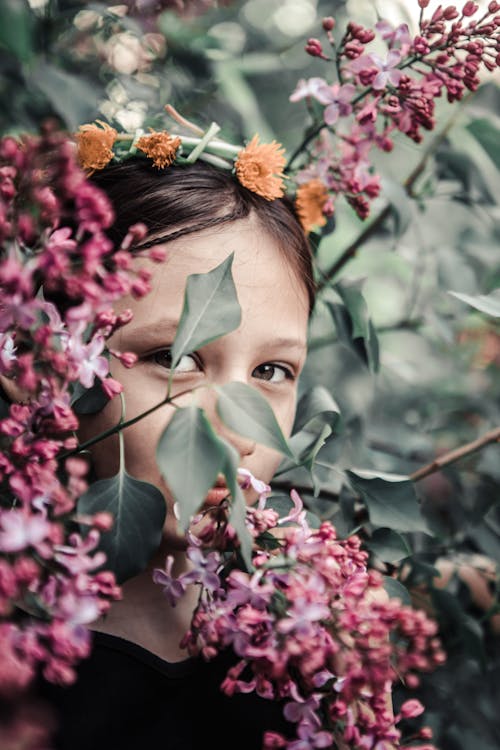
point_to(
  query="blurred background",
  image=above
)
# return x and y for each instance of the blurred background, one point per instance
(422, 379)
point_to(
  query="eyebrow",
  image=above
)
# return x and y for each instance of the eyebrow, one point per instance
(151, 331)
(168, 327)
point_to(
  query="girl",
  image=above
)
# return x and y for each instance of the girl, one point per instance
(140, 689)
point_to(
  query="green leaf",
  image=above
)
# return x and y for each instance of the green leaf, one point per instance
(485, 132)
(353, 324)
(17, 28)
(211, 310)
(73, 98)
(486, 303)
(190, 456)
(391, 502)
(238, 504)
(396, 590)
(247, 413)
(89, 400)
(316, 408)
(388, 545)
(400, 204)
(138, 509)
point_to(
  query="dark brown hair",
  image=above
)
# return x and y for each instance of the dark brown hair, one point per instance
(183, 199)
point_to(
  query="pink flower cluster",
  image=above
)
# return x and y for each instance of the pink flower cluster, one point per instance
(375, 95)
(310, 625)
(59, 274)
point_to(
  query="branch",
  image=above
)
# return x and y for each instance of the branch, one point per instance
(493, 436)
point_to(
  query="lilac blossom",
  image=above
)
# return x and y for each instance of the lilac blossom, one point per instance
(173, 588)
(20, 530)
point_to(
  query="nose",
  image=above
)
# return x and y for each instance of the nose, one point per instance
(208, 401)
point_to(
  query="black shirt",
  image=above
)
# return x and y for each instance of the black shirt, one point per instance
(126, 698)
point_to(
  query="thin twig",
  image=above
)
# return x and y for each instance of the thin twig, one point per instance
(493, 436)
(182, 120)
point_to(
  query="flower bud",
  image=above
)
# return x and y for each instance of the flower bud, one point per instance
(425, 733)
(103, 521)
(450, 12)
(314, 47)
(411, 709)
(493, 6)
(329, 23)
(423, 3)
(469, 8)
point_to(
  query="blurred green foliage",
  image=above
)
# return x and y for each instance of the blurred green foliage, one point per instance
(405, 335)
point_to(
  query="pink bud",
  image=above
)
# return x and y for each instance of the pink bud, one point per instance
(469, 8)
(157, 254)
(493, 6)
(111, 387)
(423, 3)
(328, 23)
(450, 12)
(103, 521)
(411, 709)
(125, 317)
(425, 733)
(314, 47)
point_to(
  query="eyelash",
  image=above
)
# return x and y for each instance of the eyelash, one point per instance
(287, 372)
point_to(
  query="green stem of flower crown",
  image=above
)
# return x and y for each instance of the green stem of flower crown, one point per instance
(215, 144)
(212, 130)
(217, 161)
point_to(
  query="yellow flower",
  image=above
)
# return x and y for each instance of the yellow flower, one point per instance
(309, 201)
(259, 167)
(160, 147)
(94, 145)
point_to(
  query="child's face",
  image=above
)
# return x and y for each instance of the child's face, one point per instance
(267, 351)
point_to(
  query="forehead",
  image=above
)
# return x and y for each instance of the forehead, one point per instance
(266, 282)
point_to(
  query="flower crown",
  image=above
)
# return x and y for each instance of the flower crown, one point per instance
(259, 167)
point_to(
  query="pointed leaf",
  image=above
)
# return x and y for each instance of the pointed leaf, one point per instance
(89, 400)
(138, 509)
(388, 545)
(316, 408)
(245, 411)
(400, 204)
(189, 456)
(488, 135)
(353, 324)
(17, 28)
(74, 98)
(391, 501)
(211, 310)
(237, 514)
(487, 303)
(396, 590)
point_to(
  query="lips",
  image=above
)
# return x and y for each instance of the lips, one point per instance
(218, 492)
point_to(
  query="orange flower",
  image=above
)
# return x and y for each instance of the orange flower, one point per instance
(94, 145)
(160, 147)
(309, 201)
(259, 167)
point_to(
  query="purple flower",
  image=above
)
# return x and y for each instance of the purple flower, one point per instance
(258, 485)
(87, 359)
(19, 529)
(204, 567)
(245, 590)
(173, 588)
(399, 35)
(338, 100)
(7, 352)
(311, 87)
(301, 616)
(388, 70)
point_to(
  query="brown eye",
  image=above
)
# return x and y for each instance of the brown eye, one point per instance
(187, 363)
(272, 373)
